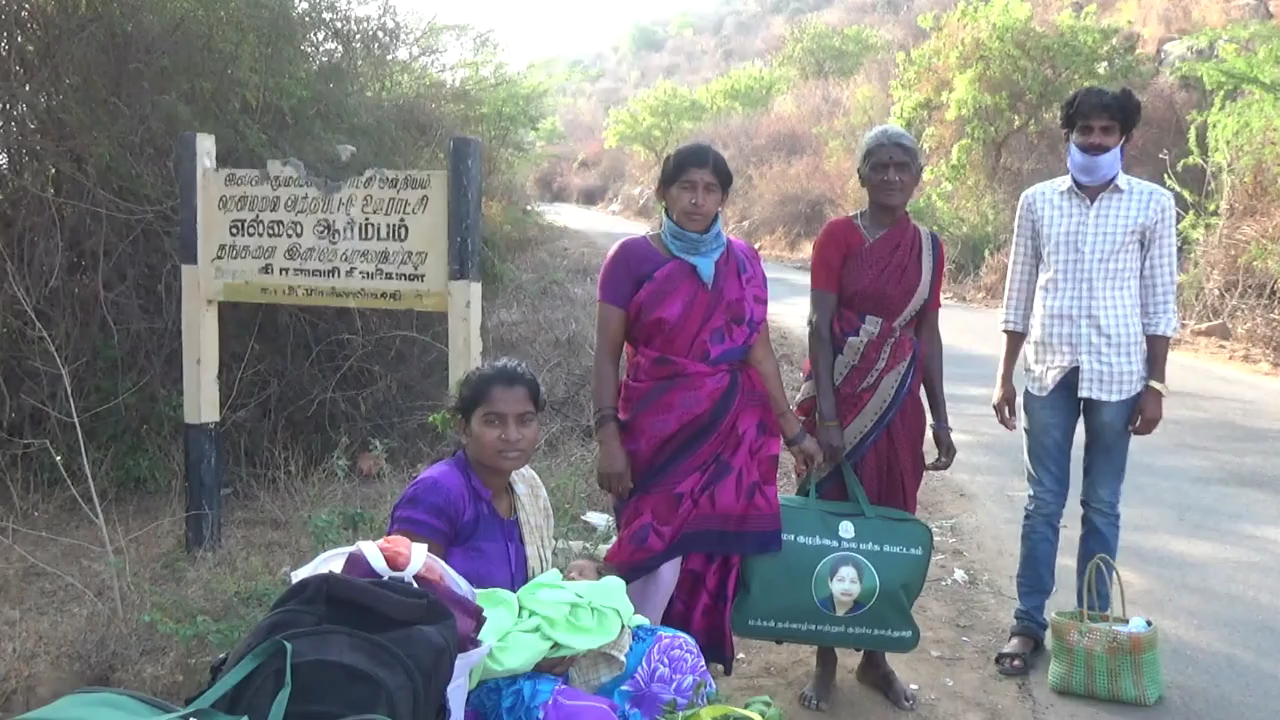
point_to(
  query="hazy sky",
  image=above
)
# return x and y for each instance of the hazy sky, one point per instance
(535, 30)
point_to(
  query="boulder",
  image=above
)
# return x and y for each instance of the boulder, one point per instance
(1217, 329)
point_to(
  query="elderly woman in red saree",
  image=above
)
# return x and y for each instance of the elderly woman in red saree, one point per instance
(873, 340)
(689, 439)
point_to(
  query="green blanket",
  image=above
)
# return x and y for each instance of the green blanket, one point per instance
(550, 617)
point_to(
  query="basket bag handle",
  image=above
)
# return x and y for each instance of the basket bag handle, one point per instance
(1103, 563)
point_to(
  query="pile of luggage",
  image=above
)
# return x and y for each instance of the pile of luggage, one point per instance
(334, 646)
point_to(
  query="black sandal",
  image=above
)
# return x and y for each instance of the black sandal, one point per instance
(1005, 659)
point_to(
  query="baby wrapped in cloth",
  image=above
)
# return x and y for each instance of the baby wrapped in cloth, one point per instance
(578, 614)
(585, 613)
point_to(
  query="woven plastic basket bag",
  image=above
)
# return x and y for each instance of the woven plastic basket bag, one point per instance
(1092, 657)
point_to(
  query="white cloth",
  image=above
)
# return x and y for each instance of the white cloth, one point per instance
(1087, 283)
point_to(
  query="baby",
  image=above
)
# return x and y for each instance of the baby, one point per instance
(586, 568)
(609, 660)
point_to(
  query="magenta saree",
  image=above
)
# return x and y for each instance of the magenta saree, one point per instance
(701, 439)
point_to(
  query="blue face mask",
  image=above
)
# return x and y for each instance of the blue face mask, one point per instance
(701, 250)
(1093, 170)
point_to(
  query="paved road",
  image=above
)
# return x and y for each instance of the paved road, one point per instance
(1201, 528)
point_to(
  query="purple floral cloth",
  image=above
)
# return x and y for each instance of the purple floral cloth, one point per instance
(665, 671)
(671, 674)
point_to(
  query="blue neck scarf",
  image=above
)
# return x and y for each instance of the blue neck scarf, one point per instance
(701, 250)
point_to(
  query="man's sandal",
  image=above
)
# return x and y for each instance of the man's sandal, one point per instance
(1005, 659)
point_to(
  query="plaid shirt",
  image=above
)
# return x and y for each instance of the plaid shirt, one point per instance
(1088, 282)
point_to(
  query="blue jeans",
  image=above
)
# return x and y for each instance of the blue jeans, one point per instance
(1048, 428)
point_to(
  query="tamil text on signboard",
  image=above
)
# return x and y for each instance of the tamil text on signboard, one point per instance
(379, 240)
(407, 240)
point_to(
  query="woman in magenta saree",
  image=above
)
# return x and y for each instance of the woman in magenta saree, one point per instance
(873, 341)
(689, 438)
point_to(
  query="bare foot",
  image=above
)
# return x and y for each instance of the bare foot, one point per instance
(874, 671)
(1015, 658)
(817, 694)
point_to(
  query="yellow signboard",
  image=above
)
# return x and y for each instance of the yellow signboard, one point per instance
(379, 240)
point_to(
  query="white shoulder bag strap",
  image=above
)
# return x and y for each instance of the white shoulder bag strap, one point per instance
(325, 562)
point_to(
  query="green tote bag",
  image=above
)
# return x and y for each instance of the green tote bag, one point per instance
(847, 576)
(112, 704)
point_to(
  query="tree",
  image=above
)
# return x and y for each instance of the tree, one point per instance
(814, 50)
(1240, 75)
(989, 73)
(659, 117)
(646, 39)
(1235, 148)
(655, 119)
(745, 88)
(988, 79)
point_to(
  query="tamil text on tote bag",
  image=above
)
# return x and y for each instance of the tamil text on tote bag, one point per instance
(847, 576)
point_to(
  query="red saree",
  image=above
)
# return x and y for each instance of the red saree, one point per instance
(881, 288)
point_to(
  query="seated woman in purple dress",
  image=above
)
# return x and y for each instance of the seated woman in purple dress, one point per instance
(486, 513)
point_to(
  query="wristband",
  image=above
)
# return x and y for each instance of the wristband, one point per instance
(603, 419)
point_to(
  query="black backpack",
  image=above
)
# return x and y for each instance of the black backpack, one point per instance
(360, 647)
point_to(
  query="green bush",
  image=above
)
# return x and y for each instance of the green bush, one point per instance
(814, 50)
(93, 95)
(1231, 230)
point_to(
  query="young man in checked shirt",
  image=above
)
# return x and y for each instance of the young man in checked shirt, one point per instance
(1091, 296)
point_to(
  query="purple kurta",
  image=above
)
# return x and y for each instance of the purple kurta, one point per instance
(447, 505)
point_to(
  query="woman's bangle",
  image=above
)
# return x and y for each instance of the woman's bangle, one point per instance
(796, 439)
(940, 426)
(604, 419)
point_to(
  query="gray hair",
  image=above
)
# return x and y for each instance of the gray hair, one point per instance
(882, 136)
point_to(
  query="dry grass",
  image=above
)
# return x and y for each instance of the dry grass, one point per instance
(585, 178)
(59, 630)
